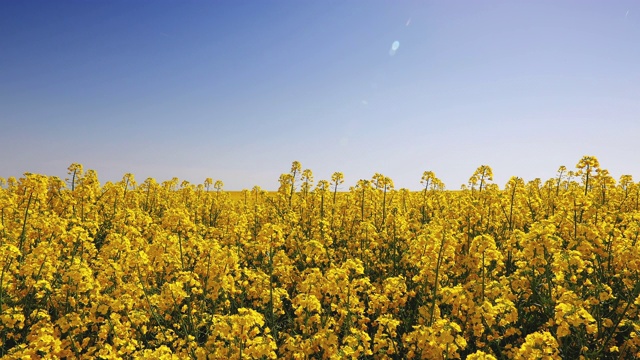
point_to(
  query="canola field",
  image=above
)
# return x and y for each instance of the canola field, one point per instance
(545, 269)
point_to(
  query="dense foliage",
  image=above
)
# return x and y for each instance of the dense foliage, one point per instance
(161, 270)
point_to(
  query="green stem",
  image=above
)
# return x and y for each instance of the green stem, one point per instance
(4, 269)
(146, 296)
(23, 234)
(483, 275)
(435, 283)
(180, 246)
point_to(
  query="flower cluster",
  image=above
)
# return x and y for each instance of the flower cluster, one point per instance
(535, 270)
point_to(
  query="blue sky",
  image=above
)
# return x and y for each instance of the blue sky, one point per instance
(237, 90)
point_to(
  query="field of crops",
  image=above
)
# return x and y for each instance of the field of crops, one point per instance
(319, 270)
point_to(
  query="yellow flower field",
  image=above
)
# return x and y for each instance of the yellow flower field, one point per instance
(537, 270)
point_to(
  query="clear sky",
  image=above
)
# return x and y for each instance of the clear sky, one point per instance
(237, 90)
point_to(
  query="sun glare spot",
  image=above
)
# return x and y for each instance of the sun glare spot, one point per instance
(394, 47)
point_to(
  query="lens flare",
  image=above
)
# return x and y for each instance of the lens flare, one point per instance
(394, 47)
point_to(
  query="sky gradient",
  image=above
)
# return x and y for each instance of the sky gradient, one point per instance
(237, 90)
